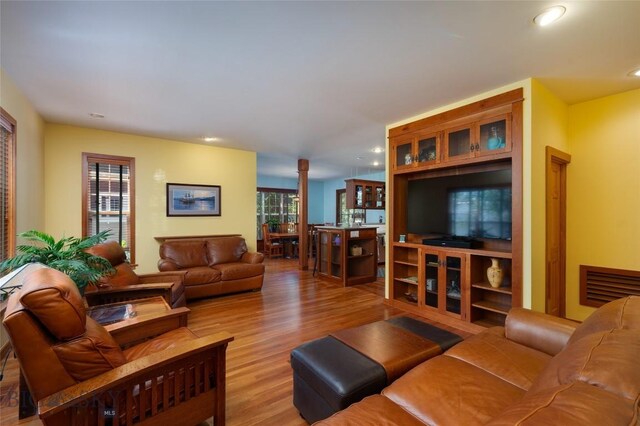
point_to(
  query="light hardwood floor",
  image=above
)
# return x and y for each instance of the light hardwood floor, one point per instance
(293, 307)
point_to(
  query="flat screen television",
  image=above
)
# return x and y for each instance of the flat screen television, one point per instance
(475, 205)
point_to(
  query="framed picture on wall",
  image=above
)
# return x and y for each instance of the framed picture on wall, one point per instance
(193, 200)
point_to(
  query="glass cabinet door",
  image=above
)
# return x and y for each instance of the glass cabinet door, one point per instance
(432, 266)
(458, 143)
(453, 275)
(323, 253)
(403, 154)
(494, 136)
(379, 197)
(336, 255)
(428, 151)
(368, 196)
(359, 196)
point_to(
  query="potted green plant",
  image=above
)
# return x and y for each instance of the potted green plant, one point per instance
(274, 224)
(67, 255)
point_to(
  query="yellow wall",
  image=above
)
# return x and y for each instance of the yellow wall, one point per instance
(550, 117)
(526, 85)
(29, 156)
(29, 161)
(158, 161)
(603, 197)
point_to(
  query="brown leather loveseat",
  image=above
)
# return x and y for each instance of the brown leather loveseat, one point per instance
(537, 370)
(213, 266)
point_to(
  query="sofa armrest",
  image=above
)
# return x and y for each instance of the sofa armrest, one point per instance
(250, 257)
(167, 265)
(539, 331)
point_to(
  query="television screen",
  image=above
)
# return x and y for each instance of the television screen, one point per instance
(474, 205)
(480, 212)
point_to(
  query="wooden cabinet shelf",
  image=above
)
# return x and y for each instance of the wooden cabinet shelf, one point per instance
(360, 256)
(492, 306)
(487, 287)
(399, 262)
(404, 280)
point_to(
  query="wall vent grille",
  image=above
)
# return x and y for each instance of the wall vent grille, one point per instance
(601, 285)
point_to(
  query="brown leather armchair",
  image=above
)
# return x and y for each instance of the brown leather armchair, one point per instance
(79, 374)
(125, 284)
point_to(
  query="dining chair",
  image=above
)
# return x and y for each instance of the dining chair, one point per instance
(272, 246)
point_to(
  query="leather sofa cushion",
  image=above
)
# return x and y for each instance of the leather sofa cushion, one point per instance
(375, 410)
(111, 250)
(238, 270)
(446, 388)
(93, 353)
(574, 404)
(621, 313)
(167, 340)
(201, 275)
(608, 360)
(54, 299)
(494, 353)
(124, 276)
(225, 250)
(185, 253)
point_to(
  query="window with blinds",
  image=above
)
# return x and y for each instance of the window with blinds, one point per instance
(108, 200)
(278, 204)
(7, 184)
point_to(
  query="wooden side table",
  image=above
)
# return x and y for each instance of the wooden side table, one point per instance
(135, 320)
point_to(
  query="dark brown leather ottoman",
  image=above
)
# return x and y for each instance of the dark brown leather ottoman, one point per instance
(333, 372)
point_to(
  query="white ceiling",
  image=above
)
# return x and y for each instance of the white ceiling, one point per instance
(316, 80)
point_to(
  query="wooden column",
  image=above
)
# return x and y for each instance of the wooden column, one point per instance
(303, 213)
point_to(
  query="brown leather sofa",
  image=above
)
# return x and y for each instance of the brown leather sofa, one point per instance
(213, 266)
(537, 370)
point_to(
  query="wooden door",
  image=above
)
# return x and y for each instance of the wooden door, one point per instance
(556, 210)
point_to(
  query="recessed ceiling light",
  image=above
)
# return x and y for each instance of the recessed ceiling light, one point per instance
(96, 115)
(549, 16)
(358, 158)
(635, 73)
(376, 163)
(378, 150)
(210, 139)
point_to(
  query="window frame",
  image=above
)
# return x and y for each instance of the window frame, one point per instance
(87, 157)
(11, 181)
(339, 211)
(281, 213)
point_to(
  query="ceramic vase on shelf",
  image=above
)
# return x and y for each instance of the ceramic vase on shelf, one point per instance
(495, 274)
(495, 141)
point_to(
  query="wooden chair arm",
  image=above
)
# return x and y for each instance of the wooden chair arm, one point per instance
(133, 330)
(122, 294)
(134, 373)
(175, 276)
(133, 288)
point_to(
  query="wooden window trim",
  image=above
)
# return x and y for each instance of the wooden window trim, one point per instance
(338, 211)
(11, 184)
(280, 190)
(112, 159)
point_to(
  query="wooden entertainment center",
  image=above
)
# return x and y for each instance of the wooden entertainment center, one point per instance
(445, 283)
